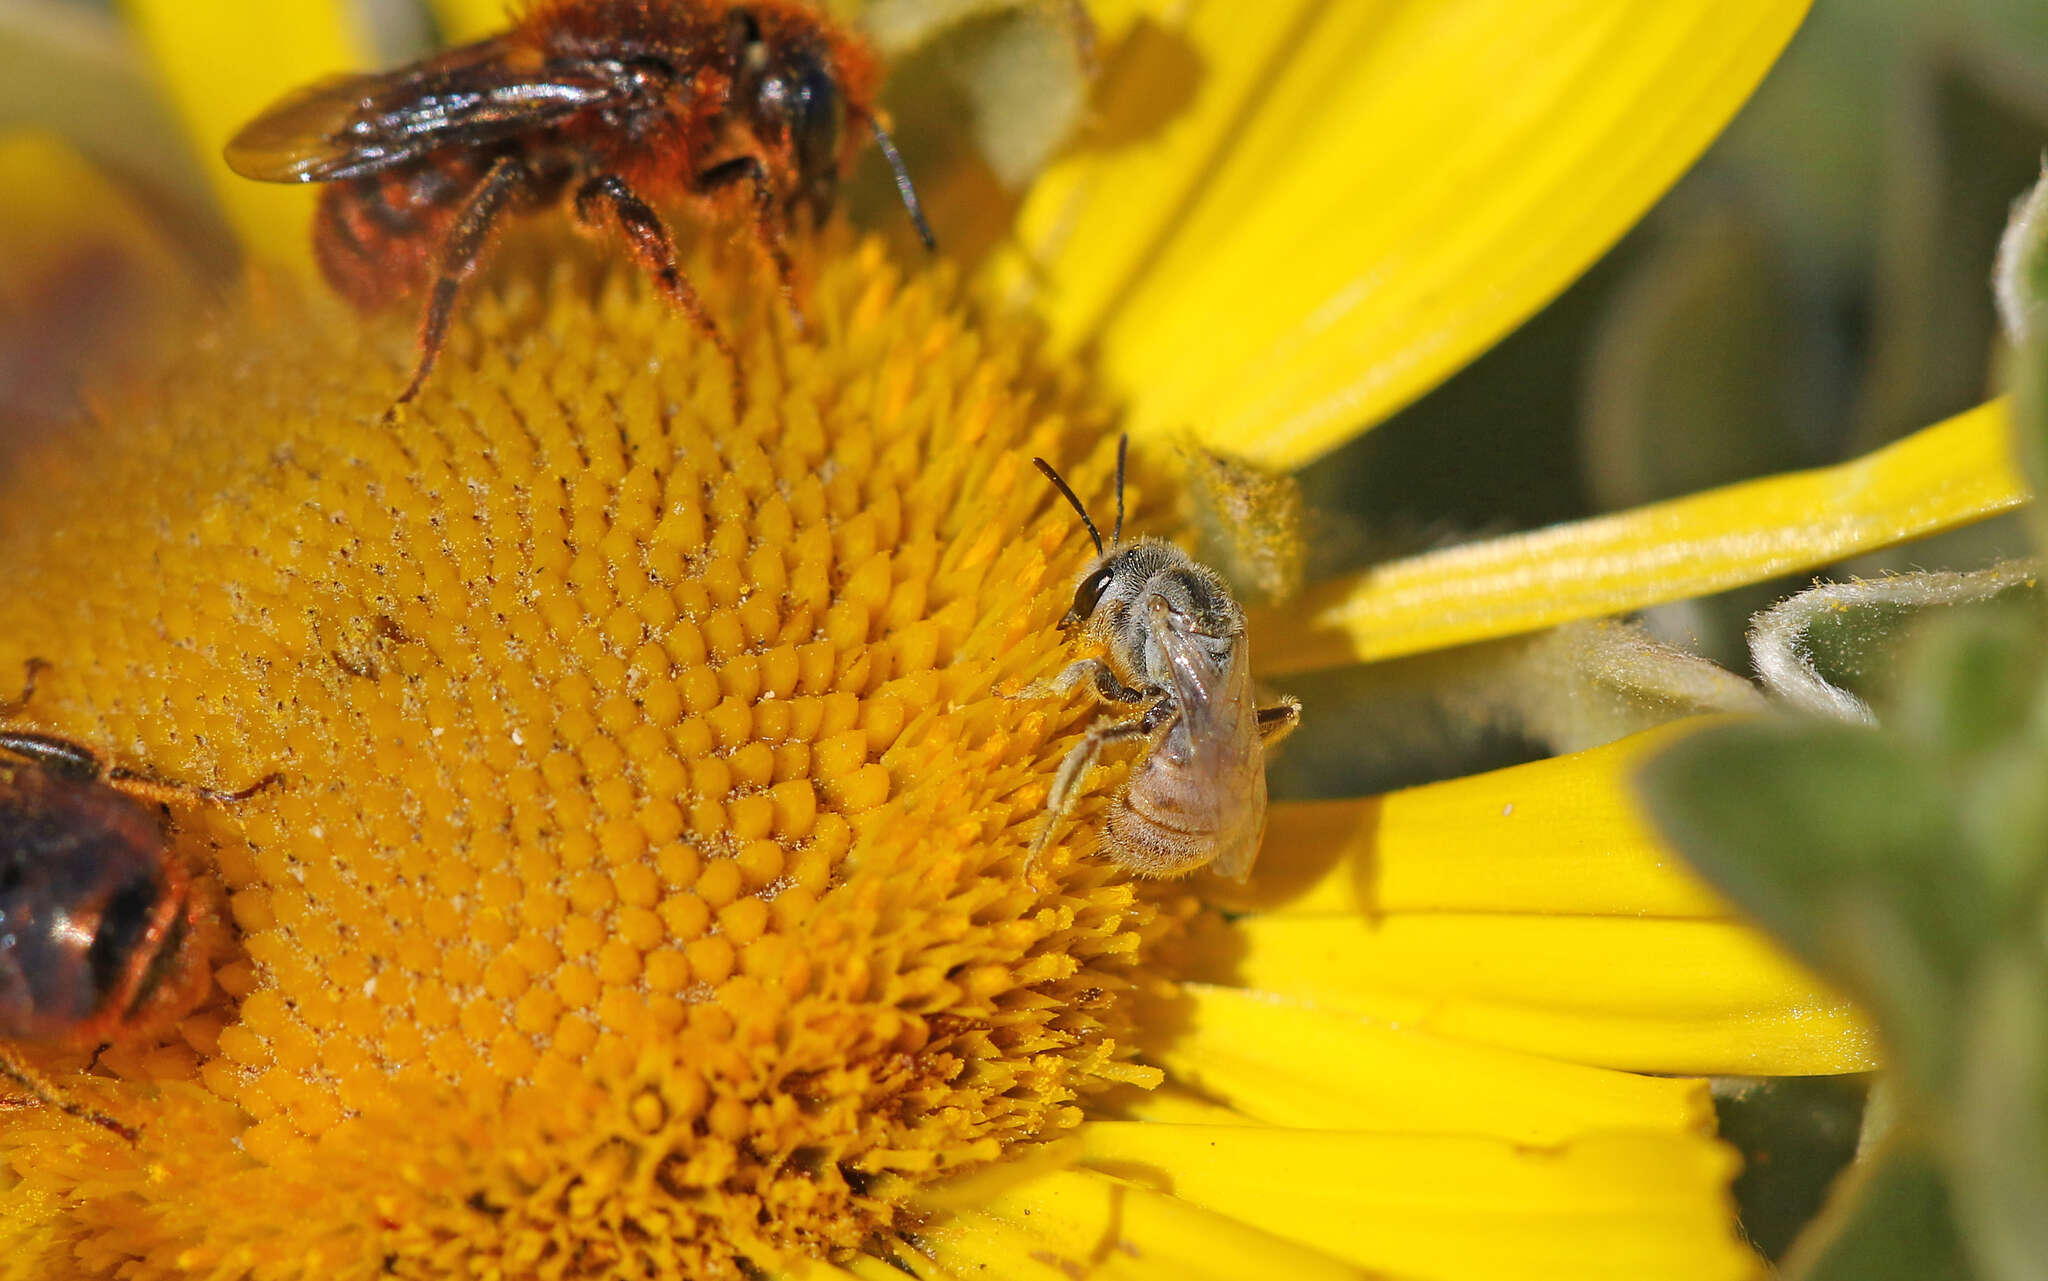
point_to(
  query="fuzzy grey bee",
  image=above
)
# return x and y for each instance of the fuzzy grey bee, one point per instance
(1176, 657)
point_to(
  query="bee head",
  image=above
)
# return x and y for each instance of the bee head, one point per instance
(788, 79)
(787, 86)
(1088, 594)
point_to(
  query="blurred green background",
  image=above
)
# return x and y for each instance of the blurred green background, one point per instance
(1817, 286)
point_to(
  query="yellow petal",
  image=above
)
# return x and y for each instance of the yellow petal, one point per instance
(465, 20)
(1178, 1105)
(73, 70)
(75, 238)
(1530, 908)
(1563, 835)
(56, 206)
(1069, 1223)
(1650, 995)
(1289, 1064)
(225, 60)
(1355, 199)
(1950, 474)
(1437, 1206)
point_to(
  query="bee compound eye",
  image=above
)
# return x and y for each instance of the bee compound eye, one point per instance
(817, 116)
(1089, 594)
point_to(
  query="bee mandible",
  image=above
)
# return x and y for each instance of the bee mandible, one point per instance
(1175, 655)
(101, 936)
(611, 103)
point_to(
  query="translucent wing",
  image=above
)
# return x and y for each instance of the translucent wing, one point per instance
(351, 125)
(1213, 687)
(1214, 743)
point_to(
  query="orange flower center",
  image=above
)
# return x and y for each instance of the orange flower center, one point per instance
(645, 889)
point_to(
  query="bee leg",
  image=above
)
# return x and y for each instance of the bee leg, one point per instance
(54, 753)
(79, 761)
(459, 254)
(767, 227)
(649, 239)
(33, 668)
(1278, 721)
(1066, 784)
(1111, 690)
(1093, 672)
(15, 1069)
(169, 792)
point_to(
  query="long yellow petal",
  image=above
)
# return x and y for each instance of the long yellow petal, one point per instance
(1563, 835)
(60, 210)
(225, 60)
(1531, 908)
(1950, 474)
(1077, 1223)
(1288, 1063)
(1437, 1206)
(73, 235)
(1652, 995)
(1299, 216)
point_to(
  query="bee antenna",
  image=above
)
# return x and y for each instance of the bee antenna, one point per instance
(1123, 445)
(903, 187)
(1068, 490)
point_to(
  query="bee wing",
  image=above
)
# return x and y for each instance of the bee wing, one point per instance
(1215, 742)
(1218, 726)
(350, 125)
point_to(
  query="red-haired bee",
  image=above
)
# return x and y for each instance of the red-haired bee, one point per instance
(1176, 656)
(610, 103)
(101, 935)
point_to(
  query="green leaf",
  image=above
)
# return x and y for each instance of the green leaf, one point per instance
(1843, 842)
(2020, 277)
(1889, 1220)
(1999, 1132)
(1969, 680)
(2020, 282)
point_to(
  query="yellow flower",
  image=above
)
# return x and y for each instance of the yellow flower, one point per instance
(646, 893)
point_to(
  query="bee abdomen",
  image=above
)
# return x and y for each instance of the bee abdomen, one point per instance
(375, 238)
(1156, 835)
(78, 890)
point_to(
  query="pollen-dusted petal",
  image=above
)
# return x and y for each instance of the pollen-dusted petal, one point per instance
(1564, 835)
(1950, 474)
(645, 888)
(225, 60)
(1287, 1062)
(1452, 1208)
(1446, 167)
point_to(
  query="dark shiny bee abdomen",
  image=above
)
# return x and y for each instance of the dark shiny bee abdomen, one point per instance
(81, 888)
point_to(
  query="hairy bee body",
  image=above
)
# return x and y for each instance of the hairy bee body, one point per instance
(608, 103)
(1175, 654)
